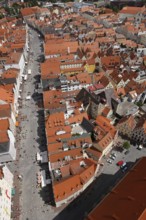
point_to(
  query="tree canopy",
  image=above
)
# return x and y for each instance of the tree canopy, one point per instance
(126, 145)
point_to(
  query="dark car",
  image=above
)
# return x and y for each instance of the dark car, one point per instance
(124, 169)
(127, 152)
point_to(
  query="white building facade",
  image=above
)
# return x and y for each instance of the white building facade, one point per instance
(6, 185)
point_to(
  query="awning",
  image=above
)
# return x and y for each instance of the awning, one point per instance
(13, 191)
(43, 178)
(17, 123)
(38, 156)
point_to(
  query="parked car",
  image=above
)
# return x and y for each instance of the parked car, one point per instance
(124, 169)
(112, 157)
(123, 165)
(114, 154)
(140, 147)
(20, 177)
(29, 72)
(28, 97)
(127, 152)
(25, 77)
(109, 161)
(120, 163)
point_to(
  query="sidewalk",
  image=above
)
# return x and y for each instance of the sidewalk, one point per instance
(16, 197)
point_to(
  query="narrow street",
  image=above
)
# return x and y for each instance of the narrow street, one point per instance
(30, 141)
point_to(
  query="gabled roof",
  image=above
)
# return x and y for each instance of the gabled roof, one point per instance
(50, 69)
(6, 96)
(104, 81)
(104, 123)
(131, 10)
(4, 137)
(105, 111)
(77, 118)
(29, 11)
(72, 184)
(10, 73)
(13, 58)
(61, 155)
(60, 48)
(55, 120)
(109, 60)
(4, 124)
(129, 120)
(5, 110)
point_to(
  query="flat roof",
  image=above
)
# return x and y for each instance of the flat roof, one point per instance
(126, 201)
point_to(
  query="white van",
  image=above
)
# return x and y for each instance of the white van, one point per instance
(28, 97)
(29, 72)
(20, 177)
(140, 147)
(25, 77)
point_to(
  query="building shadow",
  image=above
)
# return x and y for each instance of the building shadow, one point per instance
(46, 194)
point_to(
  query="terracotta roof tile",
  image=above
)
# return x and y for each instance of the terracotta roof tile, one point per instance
(4, 124)
(74, 153)
(5, 110)
(3, 137)
(131, 10)
(6, 96)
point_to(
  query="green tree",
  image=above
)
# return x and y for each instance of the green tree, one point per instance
(139, 104)
(126, 145)
(1, 16)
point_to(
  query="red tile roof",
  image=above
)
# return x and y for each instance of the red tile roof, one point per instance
(50, 69)
(3, 137)
(6, 96)
(131, 10)
(74, 153)
(110, 61)
(69, 186)
(4, 124)
(56, 47)
(104, 123)
(77, 118)
(29, 11)
(5, 110)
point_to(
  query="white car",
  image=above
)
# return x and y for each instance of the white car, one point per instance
(29, 72)
(112, 157)
(140, 147)
(28, 97)
(114, 154)
(20, 177)
(109, 161)
(25, 77)
(123, 165)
